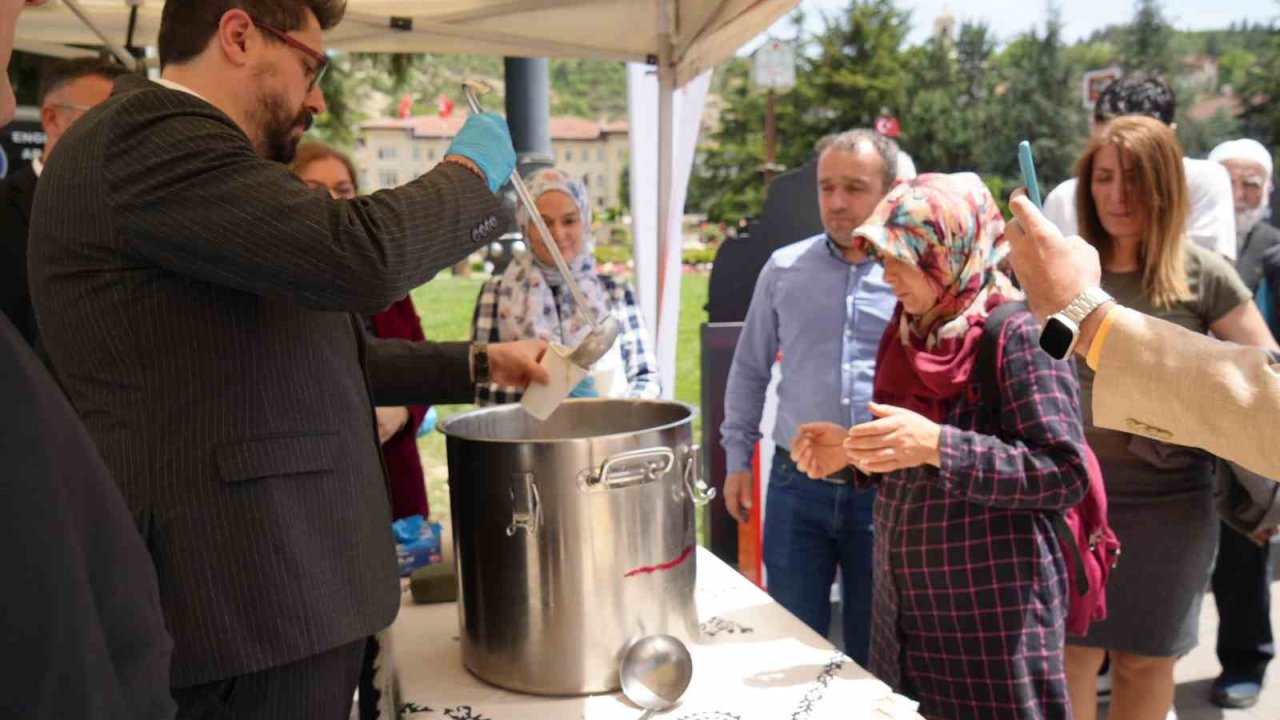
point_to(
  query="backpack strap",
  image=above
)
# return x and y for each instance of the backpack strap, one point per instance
(988, 365)
(988, 369)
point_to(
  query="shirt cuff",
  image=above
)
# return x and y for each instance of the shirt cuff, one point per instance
(1100, 338)
(736, 461)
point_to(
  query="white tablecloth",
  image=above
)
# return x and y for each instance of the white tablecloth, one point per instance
(753, 660)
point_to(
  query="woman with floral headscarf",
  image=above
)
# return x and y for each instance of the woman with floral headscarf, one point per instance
(970, 582)
(529, 299)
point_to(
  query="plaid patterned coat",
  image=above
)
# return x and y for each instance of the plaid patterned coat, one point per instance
(633, 340)
(970, 584)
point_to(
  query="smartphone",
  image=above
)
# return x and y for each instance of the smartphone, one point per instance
(1029, 173)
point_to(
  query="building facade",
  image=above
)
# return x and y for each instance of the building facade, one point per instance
(392, 152)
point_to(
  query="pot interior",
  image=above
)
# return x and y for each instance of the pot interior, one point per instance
(573, 420)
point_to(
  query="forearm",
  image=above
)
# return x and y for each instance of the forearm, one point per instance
(419, 373)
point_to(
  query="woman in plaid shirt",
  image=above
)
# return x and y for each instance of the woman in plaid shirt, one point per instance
(529, 299)
(970, 583)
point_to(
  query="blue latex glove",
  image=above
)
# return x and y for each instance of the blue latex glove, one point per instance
(486, 141)
(585, 389)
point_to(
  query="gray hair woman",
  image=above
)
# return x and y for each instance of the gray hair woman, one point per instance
(529, 299)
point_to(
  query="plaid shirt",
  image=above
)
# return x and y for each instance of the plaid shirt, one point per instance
(970, 583)
(633, 341)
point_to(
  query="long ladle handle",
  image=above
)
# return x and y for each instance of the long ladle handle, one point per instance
(527, 200)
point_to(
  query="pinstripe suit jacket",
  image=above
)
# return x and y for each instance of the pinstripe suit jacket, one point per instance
(196, 302)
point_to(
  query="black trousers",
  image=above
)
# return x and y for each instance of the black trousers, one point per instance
(1242, 590)
(319, 687)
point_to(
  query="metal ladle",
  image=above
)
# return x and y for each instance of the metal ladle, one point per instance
(656, 670)
(603, 332)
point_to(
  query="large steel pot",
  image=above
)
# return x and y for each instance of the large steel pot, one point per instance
(573, 536)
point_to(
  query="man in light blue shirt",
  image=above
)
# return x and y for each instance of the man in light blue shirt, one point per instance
(824, 305)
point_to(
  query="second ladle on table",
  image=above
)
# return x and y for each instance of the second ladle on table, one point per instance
(604, 332)
(656, 670)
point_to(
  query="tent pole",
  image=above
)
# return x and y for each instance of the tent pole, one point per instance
(121, 54)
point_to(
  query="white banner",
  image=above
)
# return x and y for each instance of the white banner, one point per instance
(659, 287)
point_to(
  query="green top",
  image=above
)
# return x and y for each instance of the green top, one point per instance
(1216, 290)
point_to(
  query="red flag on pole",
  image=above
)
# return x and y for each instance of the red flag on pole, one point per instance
(888, 126)
(406, 106)
(444, 105)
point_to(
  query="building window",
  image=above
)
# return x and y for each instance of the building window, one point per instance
(586, 180)
(599, 201)
(431, 154)
(388, 178)
(417, 153)
(600, 154)
(600, 181)
(386, 153)
(621, 155)
(568, 156)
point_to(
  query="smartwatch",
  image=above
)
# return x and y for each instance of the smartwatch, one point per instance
(1061, 331)
(480, 360)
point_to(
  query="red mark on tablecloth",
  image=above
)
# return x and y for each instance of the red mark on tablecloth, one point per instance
(650, 569)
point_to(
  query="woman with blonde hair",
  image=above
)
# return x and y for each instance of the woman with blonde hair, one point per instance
(1160, 496)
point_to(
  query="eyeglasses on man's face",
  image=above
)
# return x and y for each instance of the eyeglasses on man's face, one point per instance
(321, 62)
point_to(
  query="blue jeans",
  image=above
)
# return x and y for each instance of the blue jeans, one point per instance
(810, 528)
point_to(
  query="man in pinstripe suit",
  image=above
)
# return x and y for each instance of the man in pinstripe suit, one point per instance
(196, 302)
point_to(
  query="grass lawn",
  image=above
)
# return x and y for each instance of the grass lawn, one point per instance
(446, 305)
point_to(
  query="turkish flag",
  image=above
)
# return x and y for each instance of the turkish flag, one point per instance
(445, 106)
(888, 126)
(406, 106)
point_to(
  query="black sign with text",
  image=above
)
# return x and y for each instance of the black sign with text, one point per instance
(21, 142)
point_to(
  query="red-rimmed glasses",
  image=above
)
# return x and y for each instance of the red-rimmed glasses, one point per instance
(322, 62)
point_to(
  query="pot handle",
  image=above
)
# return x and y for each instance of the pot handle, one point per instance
(633, 468)
(526, 506)
(698, 489)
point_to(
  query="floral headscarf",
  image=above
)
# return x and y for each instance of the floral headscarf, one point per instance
(527, 306)
(950, 227)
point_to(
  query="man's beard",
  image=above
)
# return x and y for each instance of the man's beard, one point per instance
(276, 124)
(1246, 220)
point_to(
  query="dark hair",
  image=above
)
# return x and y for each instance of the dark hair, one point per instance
(186, 26)
(851, 140)
(309, 152)
(61, 73)
(1135, 96)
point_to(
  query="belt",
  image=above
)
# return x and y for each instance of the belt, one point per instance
(844, 476)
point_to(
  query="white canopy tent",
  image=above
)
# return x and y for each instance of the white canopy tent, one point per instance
(672, 42)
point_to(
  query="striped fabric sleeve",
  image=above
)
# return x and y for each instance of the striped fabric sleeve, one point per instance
(1038, 462)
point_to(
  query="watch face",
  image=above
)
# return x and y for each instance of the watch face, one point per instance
(1058, 337)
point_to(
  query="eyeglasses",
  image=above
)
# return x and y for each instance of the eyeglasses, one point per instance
(322, 62)
(72, 106)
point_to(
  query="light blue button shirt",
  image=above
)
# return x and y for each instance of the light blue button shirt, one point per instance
(826, 316)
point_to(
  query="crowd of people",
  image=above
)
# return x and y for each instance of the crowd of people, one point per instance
(208, 335)
(936, 501)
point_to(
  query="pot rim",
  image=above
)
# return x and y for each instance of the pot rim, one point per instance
(443, 428)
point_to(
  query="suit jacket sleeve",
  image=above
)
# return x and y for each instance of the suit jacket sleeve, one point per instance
(404, 372)
(190, 194)
(1227, 398)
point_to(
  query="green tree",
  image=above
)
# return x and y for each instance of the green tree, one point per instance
(1147, 44)
(1037, 100)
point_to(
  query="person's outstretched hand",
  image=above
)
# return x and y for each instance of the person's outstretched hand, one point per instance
(485, 141)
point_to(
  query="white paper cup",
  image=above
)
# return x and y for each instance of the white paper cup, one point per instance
(541, 400)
